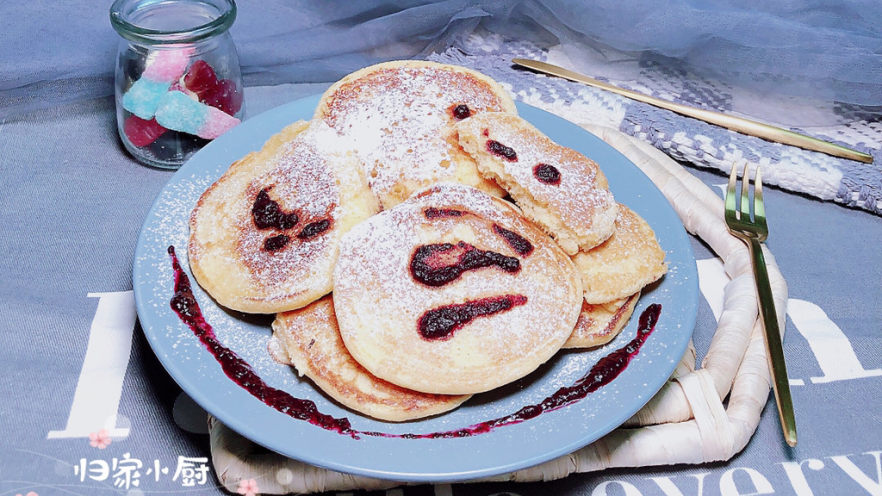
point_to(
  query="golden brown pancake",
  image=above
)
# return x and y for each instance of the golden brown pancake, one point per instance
(398, 117)
(629, 260)
(264, 238)
(309, 340)
(599, 323)
(560, 189)
(453, 292)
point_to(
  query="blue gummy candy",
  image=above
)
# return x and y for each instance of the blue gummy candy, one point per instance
(179, 112)
(144, 96)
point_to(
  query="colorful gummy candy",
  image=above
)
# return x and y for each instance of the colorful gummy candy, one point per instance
(165, 98)
(142, 132)
(180, 112)
(163, 67)
(222, 94)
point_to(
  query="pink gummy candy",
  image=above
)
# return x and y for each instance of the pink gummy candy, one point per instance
(167, 65)
(218, 123)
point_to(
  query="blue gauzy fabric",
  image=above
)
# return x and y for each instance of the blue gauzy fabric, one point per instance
(689, 140)
(816, 48)
(54, 52)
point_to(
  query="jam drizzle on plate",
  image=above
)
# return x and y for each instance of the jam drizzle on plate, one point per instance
(601, 374)
(184, 304)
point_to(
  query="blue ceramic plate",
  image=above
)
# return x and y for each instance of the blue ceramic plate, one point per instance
(504, 449)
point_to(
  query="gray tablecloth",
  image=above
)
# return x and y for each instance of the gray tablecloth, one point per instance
(71, 207)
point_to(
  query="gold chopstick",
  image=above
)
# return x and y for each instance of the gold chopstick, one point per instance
(739, 124)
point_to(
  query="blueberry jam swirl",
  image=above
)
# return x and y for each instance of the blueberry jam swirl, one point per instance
(313, 229)
(435, 213)
(440, 323)
(440, 263)
(275, 243)
(461, 111)
(500, 150)
(267, 213)
(517, 242)
(547, 174)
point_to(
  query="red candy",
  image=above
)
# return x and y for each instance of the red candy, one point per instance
(225, 96)
(236, 95)
(142, 132)
(202, 80)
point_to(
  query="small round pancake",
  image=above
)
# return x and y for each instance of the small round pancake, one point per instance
(453, 292)
(264, 237)
(629, 260)
(560, 189)
(309, 340)
(398, 116)
(599, 324)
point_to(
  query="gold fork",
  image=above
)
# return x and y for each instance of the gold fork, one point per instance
(753, 232)
(735, 123)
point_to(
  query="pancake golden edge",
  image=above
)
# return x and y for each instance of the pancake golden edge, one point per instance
(458, 167)
(599, 324)
(574, 205)
(222, 219)
(625, 263)
(309, 340)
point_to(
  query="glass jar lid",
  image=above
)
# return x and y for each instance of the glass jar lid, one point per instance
(152, 22)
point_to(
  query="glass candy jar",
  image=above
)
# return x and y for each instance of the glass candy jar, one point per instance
(178, 82)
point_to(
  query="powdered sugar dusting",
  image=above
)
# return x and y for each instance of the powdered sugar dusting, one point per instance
(398, 121)
(578, 195)
(309, 336)
(379, 302)
(309, 176)
(299, 182)
(186, 359)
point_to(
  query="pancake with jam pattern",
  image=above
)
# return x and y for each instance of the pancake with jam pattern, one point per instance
(264, 237)
(558, 188)
(453, 292)
(398, 117)
(309, 340)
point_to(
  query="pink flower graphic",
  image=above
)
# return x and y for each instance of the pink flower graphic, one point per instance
(30, 493)
(100, 440)
(247, 487)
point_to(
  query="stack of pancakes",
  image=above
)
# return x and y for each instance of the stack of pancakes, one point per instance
(381, 235)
